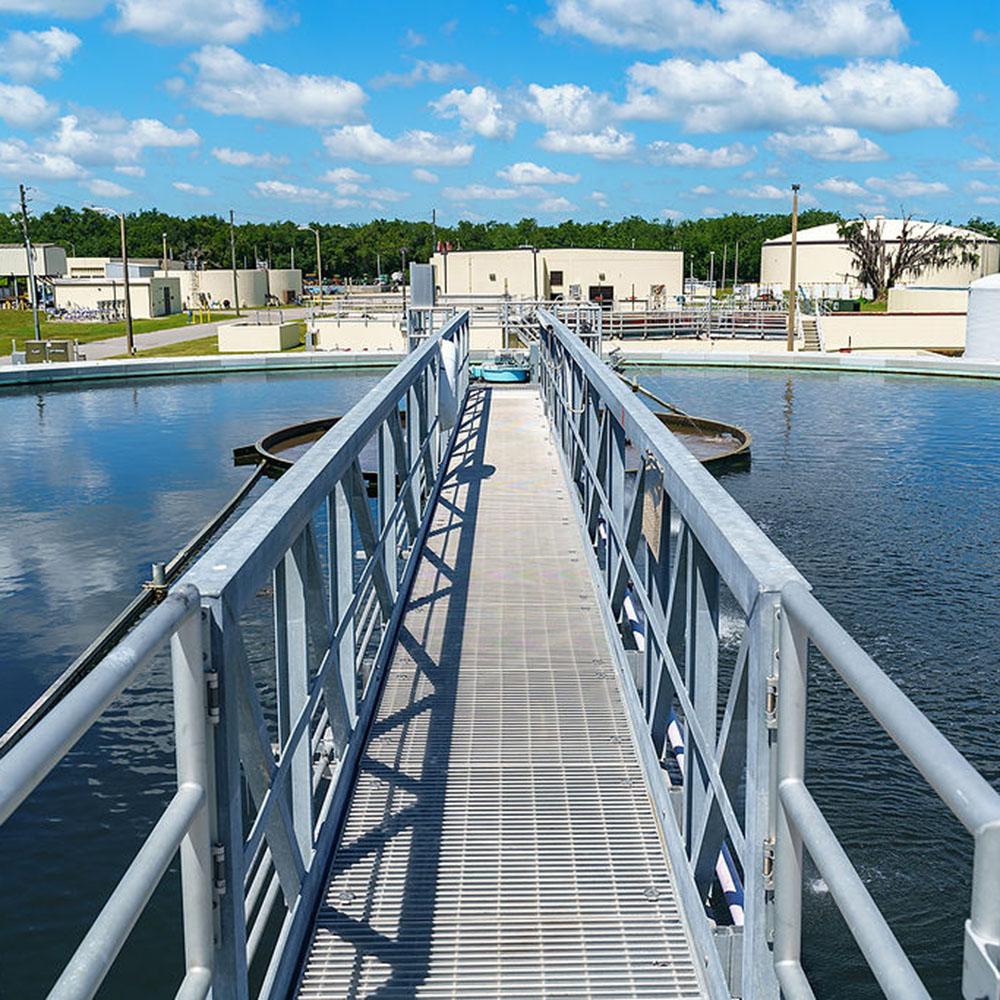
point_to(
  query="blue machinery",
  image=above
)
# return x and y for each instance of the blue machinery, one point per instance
(267, 757)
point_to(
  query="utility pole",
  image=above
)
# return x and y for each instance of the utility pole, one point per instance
(434, 229)
(164, 253)
(711, 288)
(792, 277)
(736, 264)
(232, 256)
(319, 261)
(31, 262)
(402, 257)
(725, 249)
(129, 340)
(293, 257)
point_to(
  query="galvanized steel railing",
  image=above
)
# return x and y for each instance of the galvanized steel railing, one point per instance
(269, 722)
(673, 551)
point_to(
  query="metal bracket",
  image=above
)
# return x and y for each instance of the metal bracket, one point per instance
(771, 704)
(212, 704)
(980, 972)
(158, 584)
(768, 868)
(219, 869)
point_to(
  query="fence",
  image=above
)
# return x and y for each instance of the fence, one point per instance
(265, 755)
(672, 549)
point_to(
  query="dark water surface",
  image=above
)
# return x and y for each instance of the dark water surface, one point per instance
(883, 490)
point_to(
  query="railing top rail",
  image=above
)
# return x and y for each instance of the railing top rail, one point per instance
(748, 561)
(255, 543)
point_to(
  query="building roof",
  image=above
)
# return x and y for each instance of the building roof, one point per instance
(891, 229)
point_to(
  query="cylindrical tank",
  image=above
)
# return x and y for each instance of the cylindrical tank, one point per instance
(982, 324)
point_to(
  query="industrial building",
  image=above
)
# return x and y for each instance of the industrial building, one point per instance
(823, 257)
(149, 297)
(652, 278)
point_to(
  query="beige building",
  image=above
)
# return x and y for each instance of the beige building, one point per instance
(824, 259)
(48, 260)
(148, 297)
(655, 277)
(214, 288)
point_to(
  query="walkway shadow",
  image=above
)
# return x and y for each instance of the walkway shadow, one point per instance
(407, 756)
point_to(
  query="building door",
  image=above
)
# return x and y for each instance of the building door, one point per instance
(166, 302)
(604, 295)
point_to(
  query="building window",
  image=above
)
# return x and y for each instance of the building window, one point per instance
(493, 277)
(555, 279)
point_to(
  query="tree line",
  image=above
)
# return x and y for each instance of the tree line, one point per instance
(354, 250)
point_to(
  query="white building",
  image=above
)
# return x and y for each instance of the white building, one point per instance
(148, 297)
(48, 260)
(285, 284)
(823, 257)
(642, 277)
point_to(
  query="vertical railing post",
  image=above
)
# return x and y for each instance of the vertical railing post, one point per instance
(191, 741)
(790, 718)
(759, 979)
(340, 535)
(615, 486)
(387, 501)
(229, 979)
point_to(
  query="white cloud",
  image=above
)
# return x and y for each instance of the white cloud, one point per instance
(242, 158)
(683, 154)
(111, 139)
(106, 189)
(130, 171)
(828, 142)
(749, 92)
(567, 107)
(55, 8)
(789, 27)
(225, 21)
(769, 192)
(841, 187)
(702, 189)
(423, 71)
(671, 214)
(36, 55)
(480, 192)
(378, 196)
(345, 180)
(196, 189)
(526, 172)
(984, 164)
(362, 142)
(608, 144)
(424, 176)
(23, 107)
(295, 192)
(978, 187)
(907, 185)
(988, 199)
(599, 198)
(18, 159)
(227, 83)
(414, 39)
(557, 204)
(480, 110)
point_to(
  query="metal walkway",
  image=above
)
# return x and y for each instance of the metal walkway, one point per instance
(500, 840)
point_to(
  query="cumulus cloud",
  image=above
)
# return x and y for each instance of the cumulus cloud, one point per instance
(567, 107)
(110, 139)
(18, 159)
(599, 198)
(841, 187)
(671, 214)
(55, 8)
(769, 192)
(243, 158)
(346, 180)
(423, 71)
(480, 192)
(295, 192)
(227, 83)
(480, 110)
(185, 187)
(683, 154)
(23, 107)
(362, 142)
(526, 172)
(982, 164)
(787, 27)
(36, 55)
(608, 144)
(424, 176)
(225, 21)
(556, 204)
(106, 189)
(749, 92)
(828, 142)
(907, 185)
(702, 189)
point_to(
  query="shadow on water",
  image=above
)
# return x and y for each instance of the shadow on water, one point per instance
(430, 642)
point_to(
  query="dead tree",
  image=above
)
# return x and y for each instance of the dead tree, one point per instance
(880, 264)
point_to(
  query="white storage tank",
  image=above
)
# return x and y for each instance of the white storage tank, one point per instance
(982, 325)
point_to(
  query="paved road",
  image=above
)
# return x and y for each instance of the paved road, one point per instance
(97, 350)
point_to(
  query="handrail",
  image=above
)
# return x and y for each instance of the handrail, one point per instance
(666, 541)
(334, 625)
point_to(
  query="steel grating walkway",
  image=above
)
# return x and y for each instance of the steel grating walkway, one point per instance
(500, 841)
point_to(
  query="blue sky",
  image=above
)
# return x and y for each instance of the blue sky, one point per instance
(553, 108)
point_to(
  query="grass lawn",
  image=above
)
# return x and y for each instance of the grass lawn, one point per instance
(16, 325)
(188, 348)
(878, 306)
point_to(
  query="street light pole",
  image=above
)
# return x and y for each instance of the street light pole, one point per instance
(402, 256)
(319, 261)
(792, 277)
(232, 257)
(129, 340)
